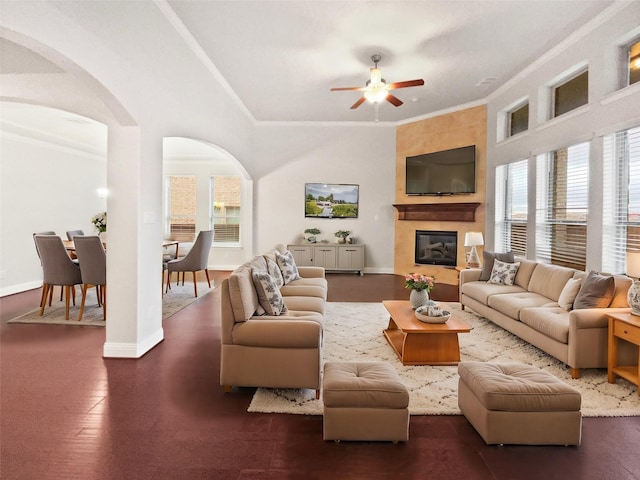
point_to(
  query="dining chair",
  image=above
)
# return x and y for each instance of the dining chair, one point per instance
(73, 233)
(93, 269)
(43, 299)
(197, 259)
(58, 269)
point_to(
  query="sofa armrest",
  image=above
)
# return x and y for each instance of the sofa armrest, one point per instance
(470, 275)
(592, 317)
(311, 272)
(286, 332)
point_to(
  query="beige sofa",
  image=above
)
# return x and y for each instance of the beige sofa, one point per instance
(277, 351)
(529, 309)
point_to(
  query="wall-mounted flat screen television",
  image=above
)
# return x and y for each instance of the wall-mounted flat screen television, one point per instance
(447, 172)
(329, 200)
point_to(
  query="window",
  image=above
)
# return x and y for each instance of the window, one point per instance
(633, 55)
(518, 120)
(562, 206)
(511, 208)
(621, 199)
(225, 208)
(181, 207)
(571, 94)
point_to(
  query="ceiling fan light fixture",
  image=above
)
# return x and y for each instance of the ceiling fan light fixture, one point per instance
(376, 94)
(376, 76)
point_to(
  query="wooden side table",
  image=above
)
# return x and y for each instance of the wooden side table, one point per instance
(627, 327)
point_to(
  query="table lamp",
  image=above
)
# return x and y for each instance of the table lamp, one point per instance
(633, 270)
(472, 239)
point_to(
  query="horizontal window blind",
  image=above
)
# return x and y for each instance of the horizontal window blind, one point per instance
(511, 208)
(225, 208)
(562, 206)
(181, 207)
(621, 198)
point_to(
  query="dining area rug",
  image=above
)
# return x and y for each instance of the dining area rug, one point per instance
(353, 332)
(179, 297)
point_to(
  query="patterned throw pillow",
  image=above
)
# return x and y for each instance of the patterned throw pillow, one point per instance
(274, 270)
(268, 293)
(503, 273)
(287, 266)
(487, 263)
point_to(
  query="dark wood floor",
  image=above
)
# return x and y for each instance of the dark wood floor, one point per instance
(68, 413)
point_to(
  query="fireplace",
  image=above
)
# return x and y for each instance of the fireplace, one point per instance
(435, 247)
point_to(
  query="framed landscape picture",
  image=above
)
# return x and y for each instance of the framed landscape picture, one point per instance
(325, 200)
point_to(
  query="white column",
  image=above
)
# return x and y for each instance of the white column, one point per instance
(134, 252)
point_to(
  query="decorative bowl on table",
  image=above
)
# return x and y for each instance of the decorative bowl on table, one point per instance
(432, 314)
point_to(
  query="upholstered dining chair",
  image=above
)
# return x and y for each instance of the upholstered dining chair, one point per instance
(93, 269)
(74, 233)
(197, 259)
(57, 268)
(43, 299)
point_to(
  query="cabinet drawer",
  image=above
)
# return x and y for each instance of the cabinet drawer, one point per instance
(631, 333)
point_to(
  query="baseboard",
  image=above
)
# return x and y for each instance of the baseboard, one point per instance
(132, 350)
(21, 287)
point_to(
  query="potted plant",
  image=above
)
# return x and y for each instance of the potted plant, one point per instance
(310, 234)
(342, 235)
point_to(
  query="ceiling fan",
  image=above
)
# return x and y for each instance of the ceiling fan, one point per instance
(377, 89)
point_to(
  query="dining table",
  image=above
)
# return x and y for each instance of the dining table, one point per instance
(70, 246)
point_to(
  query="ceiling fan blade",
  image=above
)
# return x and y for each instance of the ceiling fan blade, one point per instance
(394, 100)
(358, 103)
(408, 83)
(338, 89)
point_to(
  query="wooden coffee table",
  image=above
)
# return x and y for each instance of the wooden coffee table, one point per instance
(419, 343)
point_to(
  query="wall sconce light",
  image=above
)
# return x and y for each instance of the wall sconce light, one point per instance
(473, 239)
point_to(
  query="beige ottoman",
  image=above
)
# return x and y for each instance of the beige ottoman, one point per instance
(364, 401)
(519, 404)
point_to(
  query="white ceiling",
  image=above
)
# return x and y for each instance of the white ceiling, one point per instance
(281, 58)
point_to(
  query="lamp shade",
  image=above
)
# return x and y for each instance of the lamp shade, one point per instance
(472, 239)
(633, 264)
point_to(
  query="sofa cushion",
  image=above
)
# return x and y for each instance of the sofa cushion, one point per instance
(274, 270)
(487, 264)
(549, 280)
(596, 291)
(622, 288)
(309, 287)
(568, 294)
(523, 277)
(503, 273)
(511, 304)
(482, 291)
(287, 266)
(244, 299)
(552, 322)
(268, 293)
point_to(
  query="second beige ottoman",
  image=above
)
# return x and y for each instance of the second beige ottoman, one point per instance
(519, 404)
(364, 401)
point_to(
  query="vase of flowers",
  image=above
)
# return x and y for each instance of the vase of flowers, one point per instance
(342, 235)
(420, 286)
(310, 234)
(100, 222)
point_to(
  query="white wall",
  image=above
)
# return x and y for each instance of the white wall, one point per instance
(43, 186)
(609, 109)
(363, 155)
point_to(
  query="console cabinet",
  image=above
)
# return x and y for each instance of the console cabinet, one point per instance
(331, 256)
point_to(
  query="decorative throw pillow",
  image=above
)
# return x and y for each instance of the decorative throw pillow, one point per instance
(596, 291)
(503, 273)
(274, 270)
(488, 259)
(268, 293)
(569, 292)
(287, 266)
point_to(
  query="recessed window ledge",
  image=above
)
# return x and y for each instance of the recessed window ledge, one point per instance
(622, 93)
(563, 118)
(513, 138)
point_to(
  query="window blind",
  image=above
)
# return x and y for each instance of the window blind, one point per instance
(511, 208)
(621, 198)
(562, 206)
(225, 208)
(181, 207)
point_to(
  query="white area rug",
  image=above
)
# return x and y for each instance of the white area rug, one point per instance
(353, 332)
(175, 300)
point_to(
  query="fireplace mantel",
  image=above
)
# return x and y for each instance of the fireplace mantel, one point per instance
(447, 212)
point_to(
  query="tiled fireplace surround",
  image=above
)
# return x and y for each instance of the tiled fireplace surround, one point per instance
(457, 129)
